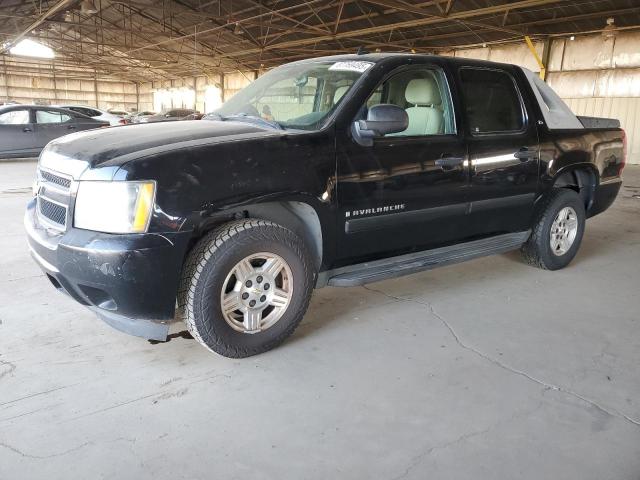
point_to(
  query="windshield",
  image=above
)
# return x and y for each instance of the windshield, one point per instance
(298, 96)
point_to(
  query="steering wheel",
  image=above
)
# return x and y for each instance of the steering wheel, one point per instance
(250, 110)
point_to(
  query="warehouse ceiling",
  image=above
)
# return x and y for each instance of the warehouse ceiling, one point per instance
(146, 39)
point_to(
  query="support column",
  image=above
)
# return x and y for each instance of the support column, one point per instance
(95, 88)
(195, 93)
(546, 55)
(532, 49)
(222, 88)
(55, 83)
(6, 78)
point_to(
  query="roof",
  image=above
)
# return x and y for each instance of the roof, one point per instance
(380, 57)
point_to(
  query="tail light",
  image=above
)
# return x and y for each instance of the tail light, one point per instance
(122, 121)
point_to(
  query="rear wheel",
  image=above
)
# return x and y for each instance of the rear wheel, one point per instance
(557, 230)
(245, 287)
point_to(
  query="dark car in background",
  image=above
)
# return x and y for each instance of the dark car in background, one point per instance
(193, 116)
(169, 115)
(136, 117)
(26, 129)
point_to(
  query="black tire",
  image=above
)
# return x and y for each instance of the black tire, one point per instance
(537, 251)
(207, 267)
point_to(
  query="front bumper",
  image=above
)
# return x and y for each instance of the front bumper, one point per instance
(130, 281)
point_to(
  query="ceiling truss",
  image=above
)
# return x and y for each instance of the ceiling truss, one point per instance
(164, 39)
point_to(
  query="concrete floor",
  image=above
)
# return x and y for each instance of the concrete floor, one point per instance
(489, 369)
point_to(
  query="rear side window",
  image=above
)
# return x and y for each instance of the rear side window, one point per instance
(492, 102)
(14, 117)
(88, 112)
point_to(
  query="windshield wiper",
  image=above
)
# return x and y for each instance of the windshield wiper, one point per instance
(253, 119)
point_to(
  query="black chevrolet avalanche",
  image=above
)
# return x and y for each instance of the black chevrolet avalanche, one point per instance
(334, 171)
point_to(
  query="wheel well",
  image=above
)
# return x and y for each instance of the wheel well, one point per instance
(299, 217)
(581, 180)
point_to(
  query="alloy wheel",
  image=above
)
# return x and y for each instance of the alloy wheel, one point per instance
(256, 292)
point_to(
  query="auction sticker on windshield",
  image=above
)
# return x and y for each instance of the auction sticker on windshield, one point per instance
(352, 66)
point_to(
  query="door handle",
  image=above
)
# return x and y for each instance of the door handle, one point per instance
(525, 154)
(447, 163)
(72, 127)
(27, 129)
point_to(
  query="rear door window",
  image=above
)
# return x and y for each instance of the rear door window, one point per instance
(52, 116)
(492, 101)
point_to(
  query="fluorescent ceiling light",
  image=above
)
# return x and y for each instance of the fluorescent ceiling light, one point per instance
(29, 48)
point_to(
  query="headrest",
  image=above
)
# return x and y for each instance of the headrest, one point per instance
(339, 93)
(423, 91)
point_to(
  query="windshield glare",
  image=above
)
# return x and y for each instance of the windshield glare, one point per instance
(295, 96)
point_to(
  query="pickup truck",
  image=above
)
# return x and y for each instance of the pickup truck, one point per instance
(338, 171)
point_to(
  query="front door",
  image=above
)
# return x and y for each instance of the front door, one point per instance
(407, 192)
(503, 151)
(16, 133)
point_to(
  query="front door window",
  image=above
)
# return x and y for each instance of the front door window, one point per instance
(423, 94)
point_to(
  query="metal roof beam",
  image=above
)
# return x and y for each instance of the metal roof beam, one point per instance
(35, 24)
(463, 15)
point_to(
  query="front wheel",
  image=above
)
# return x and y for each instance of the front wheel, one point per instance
(557, 230)
(245, 287)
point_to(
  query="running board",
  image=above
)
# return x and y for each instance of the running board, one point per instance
(369, 272)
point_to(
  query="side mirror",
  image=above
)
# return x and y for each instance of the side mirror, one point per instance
(381, 120)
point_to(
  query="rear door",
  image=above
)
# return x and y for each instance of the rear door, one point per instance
(85, 123)
(16, 133)
(51, 124)
(503, 150)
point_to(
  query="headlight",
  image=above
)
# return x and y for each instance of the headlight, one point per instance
(114, 207)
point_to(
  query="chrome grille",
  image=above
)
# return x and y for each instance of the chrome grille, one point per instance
(53, 212)
(54, 198)
(50, 177)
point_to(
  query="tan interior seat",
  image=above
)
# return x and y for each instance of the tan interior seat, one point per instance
(425, 116)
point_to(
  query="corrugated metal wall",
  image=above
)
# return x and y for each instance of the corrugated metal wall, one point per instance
(198, 84)
(231, 84)
(46, 83)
